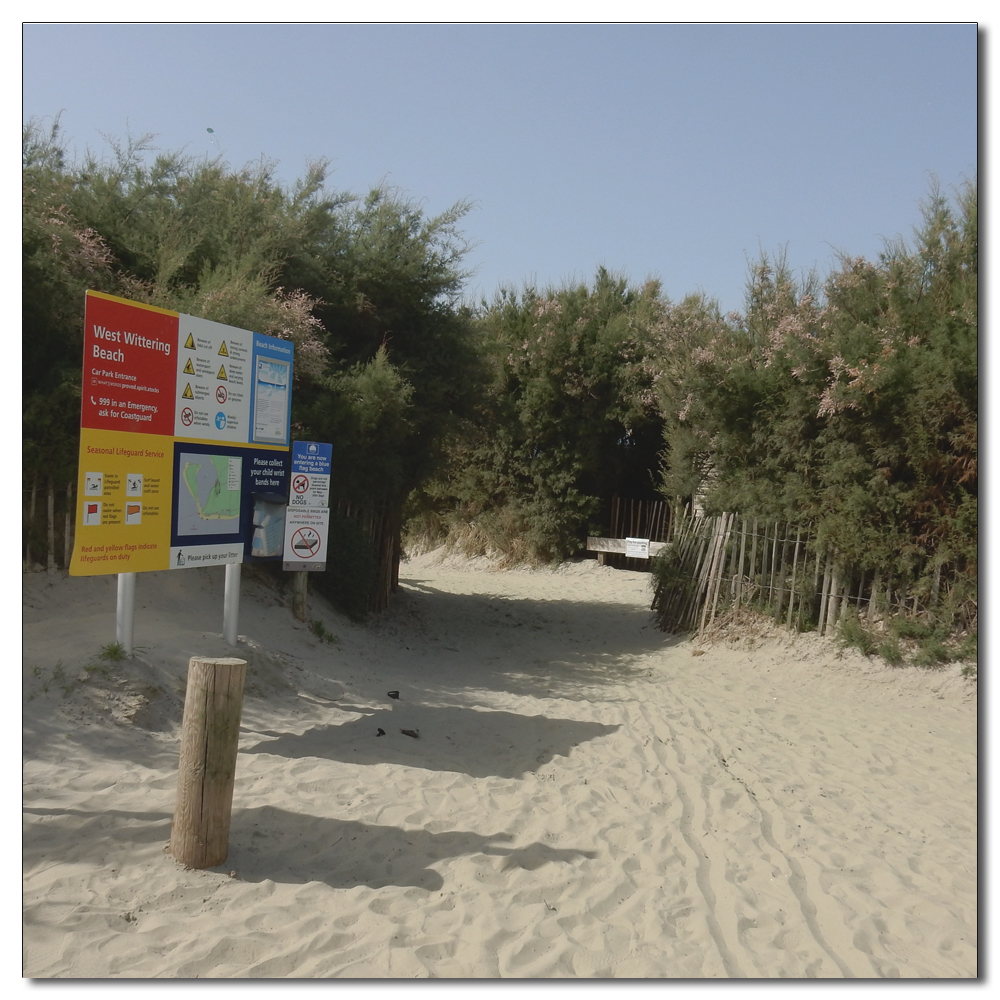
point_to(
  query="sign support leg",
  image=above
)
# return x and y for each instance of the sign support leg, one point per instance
(231, 604)
(300, 594)
(125, 615)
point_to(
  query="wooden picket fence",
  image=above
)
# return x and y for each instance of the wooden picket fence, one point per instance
(48, 515)
(632, 518)
(380, 523)
(730, 562)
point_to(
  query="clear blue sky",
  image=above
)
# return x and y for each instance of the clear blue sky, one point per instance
(669, 151)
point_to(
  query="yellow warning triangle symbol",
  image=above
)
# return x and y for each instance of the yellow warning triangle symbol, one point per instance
(189, 343)
(222, 373)
(187, 393)
(223, 351)
(189, 368)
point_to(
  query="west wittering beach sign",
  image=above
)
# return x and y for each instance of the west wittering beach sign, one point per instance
(184, 441)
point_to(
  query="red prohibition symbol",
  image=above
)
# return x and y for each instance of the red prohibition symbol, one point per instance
(305, 542)
(220, 394)
(300, 484)
(187, 416)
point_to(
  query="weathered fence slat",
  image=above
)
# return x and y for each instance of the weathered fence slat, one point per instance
(712, 563)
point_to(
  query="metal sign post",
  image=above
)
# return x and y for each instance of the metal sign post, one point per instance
(231, 603)
(125, 614)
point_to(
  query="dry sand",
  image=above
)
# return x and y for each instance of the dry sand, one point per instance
(588, 797)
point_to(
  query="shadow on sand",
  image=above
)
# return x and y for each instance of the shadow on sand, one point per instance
(287, 847)
(480, 744)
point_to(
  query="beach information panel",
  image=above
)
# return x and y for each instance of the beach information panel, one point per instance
(184, 441)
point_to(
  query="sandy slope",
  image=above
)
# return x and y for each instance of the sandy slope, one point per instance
(587, 797)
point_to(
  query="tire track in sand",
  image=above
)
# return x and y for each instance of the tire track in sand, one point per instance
(673, 762)
(813, 914)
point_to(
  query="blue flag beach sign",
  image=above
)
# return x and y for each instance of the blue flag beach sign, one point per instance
(311, 463)
(307, 520)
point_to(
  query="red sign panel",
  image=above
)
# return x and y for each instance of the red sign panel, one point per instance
(129, 378)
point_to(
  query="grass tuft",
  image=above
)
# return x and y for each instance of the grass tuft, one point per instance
(319, 629)
(851, 634)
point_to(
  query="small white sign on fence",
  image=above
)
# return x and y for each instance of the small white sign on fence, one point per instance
(637, 548)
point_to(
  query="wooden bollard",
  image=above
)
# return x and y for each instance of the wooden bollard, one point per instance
(199, 837)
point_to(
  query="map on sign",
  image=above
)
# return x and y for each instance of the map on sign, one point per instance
(208, 502)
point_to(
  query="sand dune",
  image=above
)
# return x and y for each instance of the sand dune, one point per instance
(585, 798)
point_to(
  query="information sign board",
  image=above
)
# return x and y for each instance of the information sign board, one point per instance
(311, 464)
(306, 536)
(183, 449)
(637, 548)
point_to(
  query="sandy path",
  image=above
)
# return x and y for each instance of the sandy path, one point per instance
(586, 798)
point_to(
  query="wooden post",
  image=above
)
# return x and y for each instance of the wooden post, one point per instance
(714, 565)
(50, 512)
(300, 595)
(780, 601)
(833, 603)
(31, 522)
(824, 593)
(700, 545)
(872, 607)
(774, 566)
(739, 571)
(795, 570)
(68, 530)
(213, 703)
(727, 523)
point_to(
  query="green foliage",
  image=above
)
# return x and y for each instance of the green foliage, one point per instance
(351, 569)
(367, 414)
(675, 587)
(854, 406)
(567, 419)
(924, 642)
(366, 288)
(891, 651)
(61, 257)
(851, 405)
(933, 653)
(853, 635)
(113, 652)
(968, 648)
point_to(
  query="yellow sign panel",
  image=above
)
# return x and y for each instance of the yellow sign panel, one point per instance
(188, 368)
(123, 517)
(189, 343)
(223, 351)
(222, 373)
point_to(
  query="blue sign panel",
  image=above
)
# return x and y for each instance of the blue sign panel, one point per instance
(272, 390)
(312, 458)
(229, 504)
